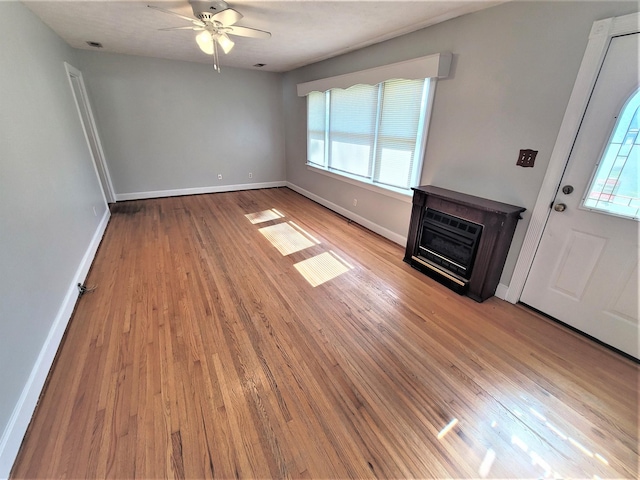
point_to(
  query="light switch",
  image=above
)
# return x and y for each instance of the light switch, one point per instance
(527, 158)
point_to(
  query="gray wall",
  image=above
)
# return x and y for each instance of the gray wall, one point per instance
(48, 188)
(513, 71)
(170, 125)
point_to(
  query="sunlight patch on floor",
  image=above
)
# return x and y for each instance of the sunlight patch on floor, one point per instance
(305, 233)
(286, 238)
(322, 268)
(264, 216)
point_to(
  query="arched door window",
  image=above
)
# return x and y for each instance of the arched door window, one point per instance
(614, 187)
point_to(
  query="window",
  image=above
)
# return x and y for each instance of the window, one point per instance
(614, 187)
(372, 133)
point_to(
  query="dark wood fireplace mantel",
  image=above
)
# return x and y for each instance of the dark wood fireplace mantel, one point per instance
(499, 223)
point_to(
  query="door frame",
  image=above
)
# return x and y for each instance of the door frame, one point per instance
(600, 37)
(90, 129)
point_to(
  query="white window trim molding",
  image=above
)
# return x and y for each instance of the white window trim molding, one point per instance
(388, 190)
(431, 66)
(345, 177)
(600, 37)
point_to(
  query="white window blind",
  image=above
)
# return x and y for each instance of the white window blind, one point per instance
(374, 133)
(316, 128)
(352, 128)
(400, 134)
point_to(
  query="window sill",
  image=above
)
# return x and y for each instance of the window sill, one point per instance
(398, 195)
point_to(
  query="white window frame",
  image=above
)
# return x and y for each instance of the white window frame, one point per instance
(430, 67)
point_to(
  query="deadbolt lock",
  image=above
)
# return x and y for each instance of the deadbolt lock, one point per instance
(567, 189)
(559, 207)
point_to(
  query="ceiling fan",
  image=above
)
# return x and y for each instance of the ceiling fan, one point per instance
(215, 21)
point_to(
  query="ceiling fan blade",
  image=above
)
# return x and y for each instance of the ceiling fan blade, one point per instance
(191, 19)
(227, 17)
(247, 32)
(192, 27)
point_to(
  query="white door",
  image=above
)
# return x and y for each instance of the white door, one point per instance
(585, 271)
(90, 131)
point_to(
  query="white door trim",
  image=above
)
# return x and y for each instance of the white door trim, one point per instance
(600, 37)
(100, 164)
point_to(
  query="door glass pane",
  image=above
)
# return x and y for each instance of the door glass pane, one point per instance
(614, 188)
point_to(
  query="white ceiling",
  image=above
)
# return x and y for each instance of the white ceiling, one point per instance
(303, 31)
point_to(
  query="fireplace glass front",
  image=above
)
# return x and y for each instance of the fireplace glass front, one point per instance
(449, 242)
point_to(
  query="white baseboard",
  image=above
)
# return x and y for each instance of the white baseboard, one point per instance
(19, 422)
(374, 227)
(196, 191)
(501, 291)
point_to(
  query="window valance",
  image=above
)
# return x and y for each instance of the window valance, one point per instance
(431, 66)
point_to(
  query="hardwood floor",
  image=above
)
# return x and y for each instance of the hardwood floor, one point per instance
(204, 352)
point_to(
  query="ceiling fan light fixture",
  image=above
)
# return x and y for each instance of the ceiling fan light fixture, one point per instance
(214, 26)
(225, 42)
(205, 41)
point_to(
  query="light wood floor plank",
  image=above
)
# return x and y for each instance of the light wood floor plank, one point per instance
(204, 353)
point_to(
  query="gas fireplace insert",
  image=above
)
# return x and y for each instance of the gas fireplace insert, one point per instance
(460, 240)
(450, 242)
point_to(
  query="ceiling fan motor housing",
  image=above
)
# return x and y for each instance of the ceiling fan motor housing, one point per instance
(205, 9)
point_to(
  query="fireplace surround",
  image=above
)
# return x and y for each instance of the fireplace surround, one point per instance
(460, 240)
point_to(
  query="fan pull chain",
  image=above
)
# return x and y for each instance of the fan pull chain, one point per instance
(216, 59)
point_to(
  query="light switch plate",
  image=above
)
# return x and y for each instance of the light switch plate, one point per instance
(527, 158)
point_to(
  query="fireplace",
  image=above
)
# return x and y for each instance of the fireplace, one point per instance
(450, 242)
(460, 240)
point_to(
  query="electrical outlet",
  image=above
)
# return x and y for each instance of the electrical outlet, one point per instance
(219, 176)
(250, 175)
(355, 202)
